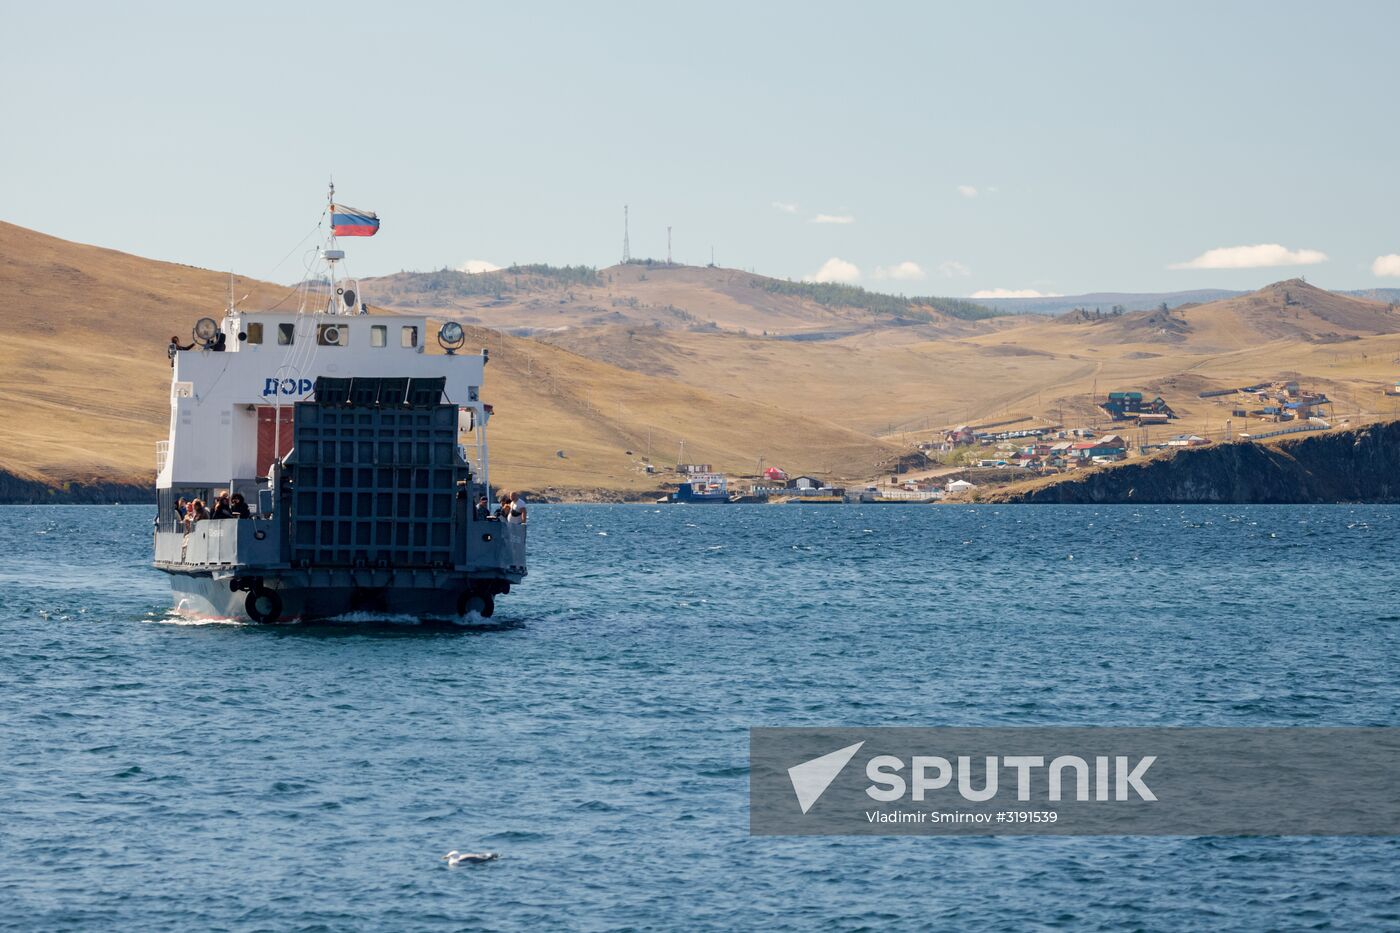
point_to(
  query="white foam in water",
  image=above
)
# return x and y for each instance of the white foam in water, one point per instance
(178, 616)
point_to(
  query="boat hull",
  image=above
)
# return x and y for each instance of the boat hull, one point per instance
(206, 596)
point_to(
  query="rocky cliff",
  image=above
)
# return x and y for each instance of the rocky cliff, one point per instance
(16, 490)
(1360, 465)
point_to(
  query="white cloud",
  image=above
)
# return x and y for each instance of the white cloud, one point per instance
(1013, 293)
(1259, 256)
(835, 270)
(904, 271)
(833, 219)
(1388, 265)
(967, 191)
(785, 207)
(473, 266)
(953, 269)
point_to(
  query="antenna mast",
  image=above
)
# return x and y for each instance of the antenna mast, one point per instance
(668, 245)
(626, 248)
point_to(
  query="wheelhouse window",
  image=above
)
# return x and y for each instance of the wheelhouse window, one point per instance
(255, 332)
(286, 334)
(332, 335)
(379, 335)
(409, 337)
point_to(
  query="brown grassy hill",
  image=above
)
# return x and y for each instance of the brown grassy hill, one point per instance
(84, 380)
(531, 300)
(1291, 310)
(84, 385)
(897, 381)
(606, 420)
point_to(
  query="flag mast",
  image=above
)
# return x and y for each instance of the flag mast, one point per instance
(332, 253)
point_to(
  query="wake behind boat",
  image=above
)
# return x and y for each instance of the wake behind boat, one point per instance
(353, 463)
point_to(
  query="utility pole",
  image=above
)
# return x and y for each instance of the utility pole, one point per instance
(626, 247)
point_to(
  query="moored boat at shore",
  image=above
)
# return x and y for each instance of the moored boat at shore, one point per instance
(701, 489)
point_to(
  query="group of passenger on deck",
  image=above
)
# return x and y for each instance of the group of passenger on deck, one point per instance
(189, 512)
(511, 509)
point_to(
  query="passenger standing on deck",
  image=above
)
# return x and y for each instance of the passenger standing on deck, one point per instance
(503, 510)
(174, 348)
(483, 507)
(222, 508)
(239, 507)
(516, 515)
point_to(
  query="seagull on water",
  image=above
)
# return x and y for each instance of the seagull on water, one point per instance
(455, 858)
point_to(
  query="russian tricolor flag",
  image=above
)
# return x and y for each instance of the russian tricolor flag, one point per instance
(349, 221)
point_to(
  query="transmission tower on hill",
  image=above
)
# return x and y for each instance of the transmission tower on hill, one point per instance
(626, 247)
(668, 246)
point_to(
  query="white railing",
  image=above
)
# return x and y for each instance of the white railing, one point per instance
(1295, 429)
(162, 455)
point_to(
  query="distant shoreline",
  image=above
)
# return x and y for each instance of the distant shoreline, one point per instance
(1357, 466)
(16, 490)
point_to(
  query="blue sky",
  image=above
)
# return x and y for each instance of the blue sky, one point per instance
(920, 148)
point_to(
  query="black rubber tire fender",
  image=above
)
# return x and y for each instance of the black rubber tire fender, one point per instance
(263, 605)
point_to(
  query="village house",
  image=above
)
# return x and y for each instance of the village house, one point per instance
(1286, 401)
(1099, 450)
(961, 435)
(1127, 406)
(1187, 440)
(811, 486)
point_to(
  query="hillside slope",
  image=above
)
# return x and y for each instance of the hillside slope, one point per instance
(84, 380)
(903, 380)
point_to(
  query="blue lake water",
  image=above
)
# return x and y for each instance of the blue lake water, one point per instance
(165, 776)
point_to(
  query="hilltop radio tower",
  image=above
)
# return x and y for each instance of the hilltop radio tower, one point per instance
(626, 247)
(668, 246)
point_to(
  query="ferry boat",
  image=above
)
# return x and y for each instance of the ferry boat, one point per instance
(701, 488)
(360, 458)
